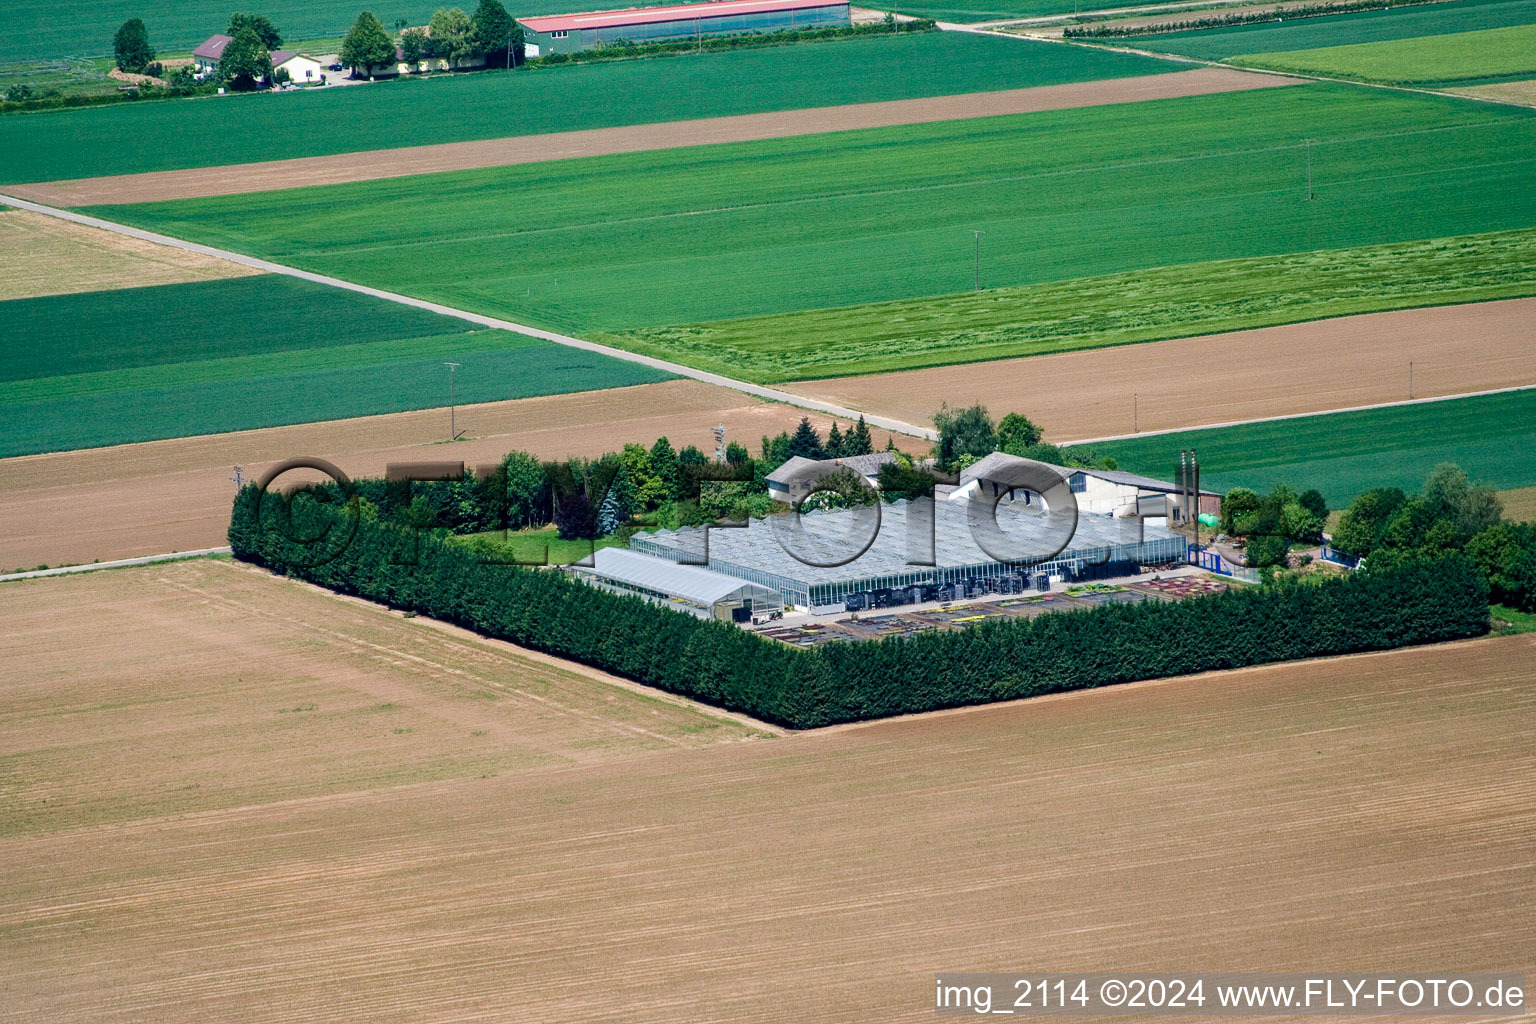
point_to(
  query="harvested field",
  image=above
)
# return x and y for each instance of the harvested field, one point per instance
(1519, 504)
(1523, 93)
(1276, 818)
(203, 686)
(47, 256)
(157, 186)
(175, 495)
(1276, 371)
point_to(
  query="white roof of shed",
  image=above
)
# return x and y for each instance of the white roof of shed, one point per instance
(690, 582)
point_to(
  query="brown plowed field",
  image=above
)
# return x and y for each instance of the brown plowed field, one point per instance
(458, 156)
(140, 499)
(203, 686)
(1369, 814)
(41, 255)
(1274, 371)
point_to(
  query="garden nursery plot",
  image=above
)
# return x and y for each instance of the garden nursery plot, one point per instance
(679, 236)
(137, 137)
(1463, 58)
(1492, 437)
(1410, 22)
(250, 352)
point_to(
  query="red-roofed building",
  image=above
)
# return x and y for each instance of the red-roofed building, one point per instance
(564, 33)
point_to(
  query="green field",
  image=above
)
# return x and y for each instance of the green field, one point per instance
(1462, 58)
(971, 11)
(1117, 309)
(1342, 29)
(135, 137)
(683, 236)
(183, 360)
(34, 29)
(1342, 454)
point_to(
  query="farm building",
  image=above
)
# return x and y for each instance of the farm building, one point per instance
(1098, 546)
(694, 589)
(782, 479)
(566, 33)
(301, 68)
(1104, 491)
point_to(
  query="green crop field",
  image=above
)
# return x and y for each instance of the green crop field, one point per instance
(34, 29)
(683, 236)
(1116, 309)
(182, 360)
(130, 138)
(1342, 29)
(1463, 58)
(1492, 437)
(972, 11)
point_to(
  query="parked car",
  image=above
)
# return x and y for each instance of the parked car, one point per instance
(335, 67)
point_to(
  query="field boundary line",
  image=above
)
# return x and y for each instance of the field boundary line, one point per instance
(1141, 684)
(676, 369)
(119, 563)
(1179, 58)
(564, 664)
(1303, 415)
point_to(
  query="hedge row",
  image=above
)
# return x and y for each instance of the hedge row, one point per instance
(1418, 602)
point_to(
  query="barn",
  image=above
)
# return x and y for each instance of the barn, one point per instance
(567, 33)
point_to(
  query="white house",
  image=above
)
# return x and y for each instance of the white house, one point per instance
(302, 68)
(781, 482)
(207, 56)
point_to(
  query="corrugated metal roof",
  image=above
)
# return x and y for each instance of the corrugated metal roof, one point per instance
(864, 465)
(676, 12)
(839, 533)
(213, 47)
(692, 583)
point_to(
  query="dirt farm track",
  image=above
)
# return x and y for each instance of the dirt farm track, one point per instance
(459, 156)
(239, 849)
(1274, 371)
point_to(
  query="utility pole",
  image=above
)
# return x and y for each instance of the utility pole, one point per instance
(1310, 194)
(238, 479)
(1135, 413)
(976, 278)
(453, 434)
(1410, 379)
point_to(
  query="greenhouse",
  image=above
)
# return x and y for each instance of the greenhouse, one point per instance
(906, 552)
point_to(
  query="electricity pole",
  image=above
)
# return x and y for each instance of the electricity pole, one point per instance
(976, 276)
(1410, 378)
(453, 434)
(1310, 194)
(1135, 413)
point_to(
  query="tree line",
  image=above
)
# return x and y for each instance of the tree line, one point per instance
(338, 540)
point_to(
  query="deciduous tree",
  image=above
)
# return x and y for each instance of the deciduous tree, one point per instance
(246, 64)
(131, 46)
(367, 45)
(258, 23)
